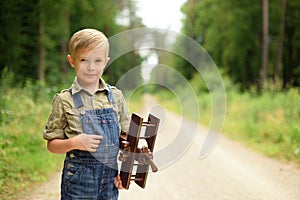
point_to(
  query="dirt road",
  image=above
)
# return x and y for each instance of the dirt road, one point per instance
(231, 171)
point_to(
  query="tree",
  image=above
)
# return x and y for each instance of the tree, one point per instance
(238, 40)
(42, 48)
(34, 34)
(229, 31)
(265, 45)
(291, 49)
(280, 42)
(19, 38)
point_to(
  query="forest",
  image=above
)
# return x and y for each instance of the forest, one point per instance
(254, 44)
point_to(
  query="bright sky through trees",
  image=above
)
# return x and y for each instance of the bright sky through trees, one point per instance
(164, 14)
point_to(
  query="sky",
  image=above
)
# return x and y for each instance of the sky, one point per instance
(164, 14)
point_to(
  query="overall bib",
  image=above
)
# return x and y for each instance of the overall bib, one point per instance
(91, 175)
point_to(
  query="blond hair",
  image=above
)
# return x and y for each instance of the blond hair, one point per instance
(88, 39)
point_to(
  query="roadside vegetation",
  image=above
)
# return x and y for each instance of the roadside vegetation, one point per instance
(24, 159)
(267, 121)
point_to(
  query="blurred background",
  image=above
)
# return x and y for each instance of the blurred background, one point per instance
(255, 45)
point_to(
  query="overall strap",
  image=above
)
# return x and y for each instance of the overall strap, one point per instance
(110, 94)
(76, 99)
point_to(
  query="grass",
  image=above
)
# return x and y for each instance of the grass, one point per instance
(134, 100)
(268, 123)
(24, 159)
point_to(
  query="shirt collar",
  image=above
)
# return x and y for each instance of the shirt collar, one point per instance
(76, 87)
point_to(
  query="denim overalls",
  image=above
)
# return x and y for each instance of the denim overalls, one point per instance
(91, 175)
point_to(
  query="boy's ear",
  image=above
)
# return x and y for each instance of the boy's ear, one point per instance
(71, 61)
(107, 60)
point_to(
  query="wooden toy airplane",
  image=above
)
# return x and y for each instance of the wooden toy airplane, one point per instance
(131, 155)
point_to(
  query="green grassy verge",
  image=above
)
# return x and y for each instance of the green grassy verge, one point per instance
(24, 159)
(134, 100)
(268, 123)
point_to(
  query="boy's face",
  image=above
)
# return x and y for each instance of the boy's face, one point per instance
(89, 65)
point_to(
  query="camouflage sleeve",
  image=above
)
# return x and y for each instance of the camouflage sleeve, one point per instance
(56, 122)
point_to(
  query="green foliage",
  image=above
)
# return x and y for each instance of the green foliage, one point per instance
(267, 122)
(231, 32)
(169, 100)
(24, 158)
(18, 37)
(220, 26)
(33, 40)
(121, 66)
(134, 100)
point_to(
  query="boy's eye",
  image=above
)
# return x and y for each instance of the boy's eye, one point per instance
(83, 60)
(98, 60)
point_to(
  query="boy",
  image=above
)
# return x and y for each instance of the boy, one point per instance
(85, 123)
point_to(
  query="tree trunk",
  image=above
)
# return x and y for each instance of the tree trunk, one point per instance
(64, 67)
(42, 50)
(191, 50)
(265, 52)
(265, 49)
(280, 42)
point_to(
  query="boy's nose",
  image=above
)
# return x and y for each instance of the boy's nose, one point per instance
(91, 67)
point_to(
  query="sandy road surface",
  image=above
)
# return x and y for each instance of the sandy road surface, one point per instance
(231, 171)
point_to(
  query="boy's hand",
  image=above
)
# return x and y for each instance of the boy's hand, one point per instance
(118, 182)
(87, 142)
